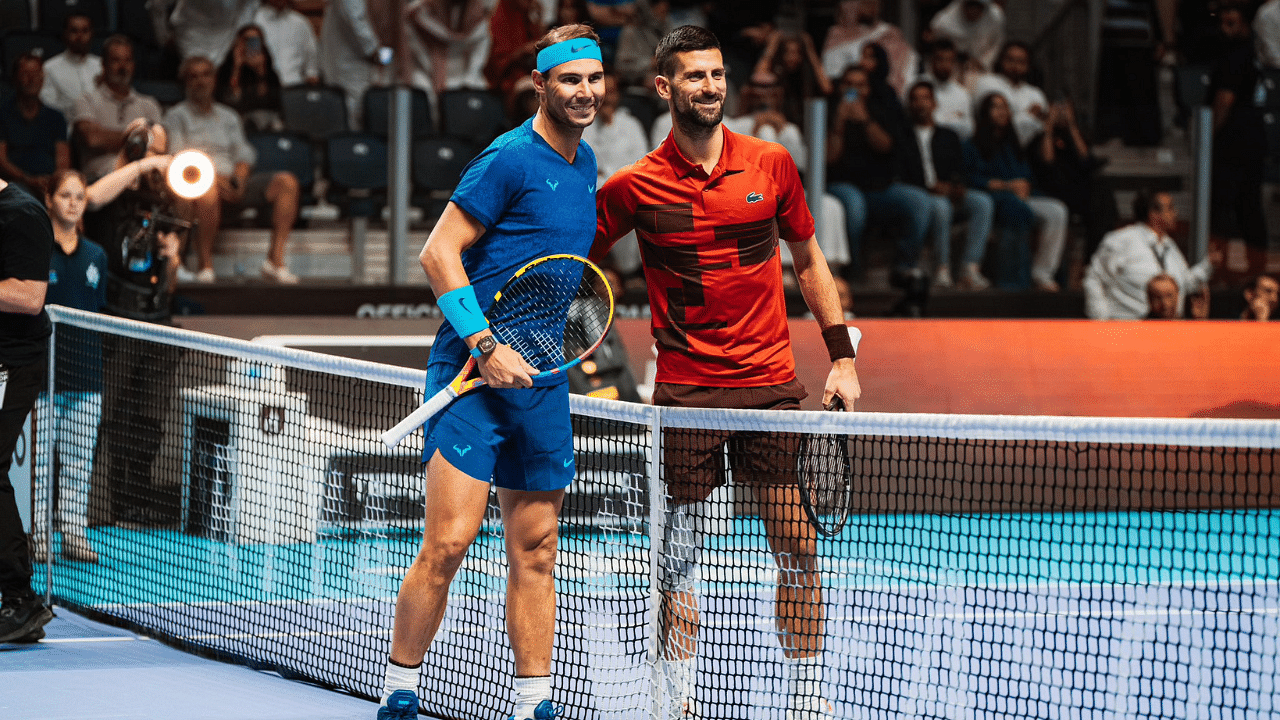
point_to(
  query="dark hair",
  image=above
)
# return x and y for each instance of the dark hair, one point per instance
(565, 32)
(29, 56)
(59, 177)
(66, 22)
(985, 136)
(687, 38)
(1142, 204)
(1004, 50)
(920, 84)
(941, 45)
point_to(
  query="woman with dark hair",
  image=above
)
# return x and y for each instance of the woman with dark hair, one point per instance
(995, 162)
(791, 61)
(875, 60)
(247, 81)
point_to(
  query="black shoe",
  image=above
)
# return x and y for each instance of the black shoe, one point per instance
(31, 638)
(21, 617)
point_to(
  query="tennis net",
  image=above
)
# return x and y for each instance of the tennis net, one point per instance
(241, 506)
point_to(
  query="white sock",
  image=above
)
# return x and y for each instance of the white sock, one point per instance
(399, 677)
(804, 682)
(527, 693)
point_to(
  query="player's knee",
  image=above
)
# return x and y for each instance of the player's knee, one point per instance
(442, 555)
(537, 557)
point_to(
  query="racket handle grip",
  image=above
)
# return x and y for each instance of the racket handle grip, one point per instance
(418, 417)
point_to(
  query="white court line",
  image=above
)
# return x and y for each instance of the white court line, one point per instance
(114, 638)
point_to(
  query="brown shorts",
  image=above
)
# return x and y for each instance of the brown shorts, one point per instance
(694, 459)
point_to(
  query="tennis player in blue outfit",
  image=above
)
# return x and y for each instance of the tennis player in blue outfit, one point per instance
(531, 193)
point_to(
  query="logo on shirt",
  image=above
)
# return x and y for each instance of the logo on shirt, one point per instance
(462, 451)
(92, 276)
(754, 197)
(568, 462)
(553, 185)
(591, 188)
(53, 276)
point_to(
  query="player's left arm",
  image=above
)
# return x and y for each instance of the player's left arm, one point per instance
(819, 291)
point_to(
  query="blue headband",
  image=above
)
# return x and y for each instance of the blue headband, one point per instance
(563, 52)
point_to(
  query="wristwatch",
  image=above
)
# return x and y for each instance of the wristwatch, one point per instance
(485, 347)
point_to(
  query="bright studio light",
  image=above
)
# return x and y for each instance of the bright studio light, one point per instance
(190, 174)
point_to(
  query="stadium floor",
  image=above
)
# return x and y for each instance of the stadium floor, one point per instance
(89, 671)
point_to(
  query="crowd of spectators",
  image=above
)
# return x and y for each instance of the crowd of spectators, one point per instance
(944, 144)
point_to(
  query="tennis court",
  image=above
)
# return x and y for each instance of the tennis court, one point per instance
(994, 567)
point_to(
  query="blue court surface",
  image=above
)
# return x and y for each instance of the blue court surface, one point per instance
(84, 670)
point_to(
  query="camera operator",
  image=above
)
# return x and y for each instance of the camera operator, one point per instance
(136, 220)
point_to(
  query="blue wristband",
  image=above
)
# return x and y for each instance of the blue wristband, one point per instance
(462, 311)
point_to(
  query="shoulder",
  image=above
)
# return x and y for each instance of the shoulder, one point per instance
(148, 104)
(92, 250)
(762, 152)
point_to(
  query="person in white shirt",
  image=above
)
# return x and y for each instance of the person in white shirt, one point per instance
(199, 123)
(72, 72)
(1029, 105)
(618, 139)
(206, 28)
(858, 23)
(977, 29)
(955, 104)
(1266, 33)
(291, 42)
(349, 51)
(449, 44)
(1115, 283)
(101, 117)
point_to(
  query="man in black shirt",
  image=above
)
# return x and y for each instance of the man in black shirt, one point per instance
(26, 250)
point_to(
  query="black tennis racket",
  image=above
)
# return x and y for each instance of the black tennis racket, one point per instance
(554, 311)
(826, 478)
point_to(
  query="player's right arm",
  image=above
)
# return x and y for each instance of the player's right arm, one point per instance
(614, 215)
(441, 259)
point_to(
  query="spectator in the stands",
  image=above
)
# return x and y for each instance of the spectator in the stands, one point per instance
(1266, 28)
(862, 169)
(935, 162)
(976, 27)
(608, 17)
(291, 42)
(618, 139)
(955, 104)
(875, 61)
(1065, 168)
(1028, 103)
(858, 23)
(349, 56)
(791, 61)
(72, 72)
(996, 162)
(1116, 279)
(743, 28)
(1261, 298)
(201, 123)
(247, 82)
(33, 136)
(1163, 296)
(449, 42)
(103, 114)
(1239, 139)
(637, 42)
(206, 28)
(515, 27)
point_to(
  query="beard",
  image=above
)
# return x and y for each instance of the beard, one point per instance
(695, 118)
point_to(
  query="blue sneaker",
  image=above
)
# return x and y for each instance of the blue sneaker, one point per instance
(402, 705)
(544, 711)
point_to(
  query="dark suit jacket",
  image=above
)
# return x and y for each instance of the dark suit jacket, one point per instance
(948, 158)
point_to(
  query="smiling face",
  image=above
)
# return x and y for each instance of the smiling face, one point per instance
(696, 90)
(571, 93)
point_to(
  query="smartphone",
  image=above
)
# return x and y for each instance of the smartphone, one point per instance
(851, 95)
(384, 55)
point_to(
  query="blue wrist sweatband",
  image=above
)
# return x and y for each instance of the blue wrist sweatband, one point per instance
(562, 52)
(462, 311)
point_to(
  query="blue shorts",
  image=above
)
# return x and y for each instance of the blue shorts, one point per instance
(521, 438)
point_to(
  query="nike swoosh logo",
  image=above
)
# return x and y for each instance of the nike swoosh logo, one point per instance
(579, 49)
(462, 451)
(462, 304)
(568, 462)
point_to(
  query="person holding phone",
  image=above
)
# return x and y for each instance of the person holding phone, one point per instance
(247, 82)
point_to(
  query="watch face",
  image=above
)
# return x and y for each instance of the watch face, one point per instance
(487, 344)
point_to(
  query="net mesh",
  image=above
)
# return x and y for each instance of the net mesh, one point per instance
(240, 505)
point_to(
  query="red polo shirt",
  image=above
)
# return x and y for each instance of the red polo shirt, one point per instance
(711, 259)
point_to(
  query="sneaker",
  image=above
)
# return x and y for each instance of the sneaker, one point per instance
(402, 705)
(22, 616)
(185, 275)
(1046, 285)
(278, 273)
(544, 711)
(31, 638)
(76, 547)
(205, 277)
(972, 279)
(942, 278)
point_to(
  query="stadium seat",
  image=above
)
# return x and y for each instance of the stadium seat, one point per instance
(166, 92)
(357, 170)
(437, 167)
(1191, 87)
(315, 112)
(53, 13)
(284, 151)
(377, 111)
(16, 43)
(472, 115)
(1269, 81)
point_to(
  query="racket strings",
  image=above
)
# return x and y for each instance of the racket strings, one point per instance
(553, 312)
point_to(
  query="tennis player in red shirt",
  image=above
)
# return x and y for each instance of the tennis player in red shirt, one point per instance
(708, 207)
